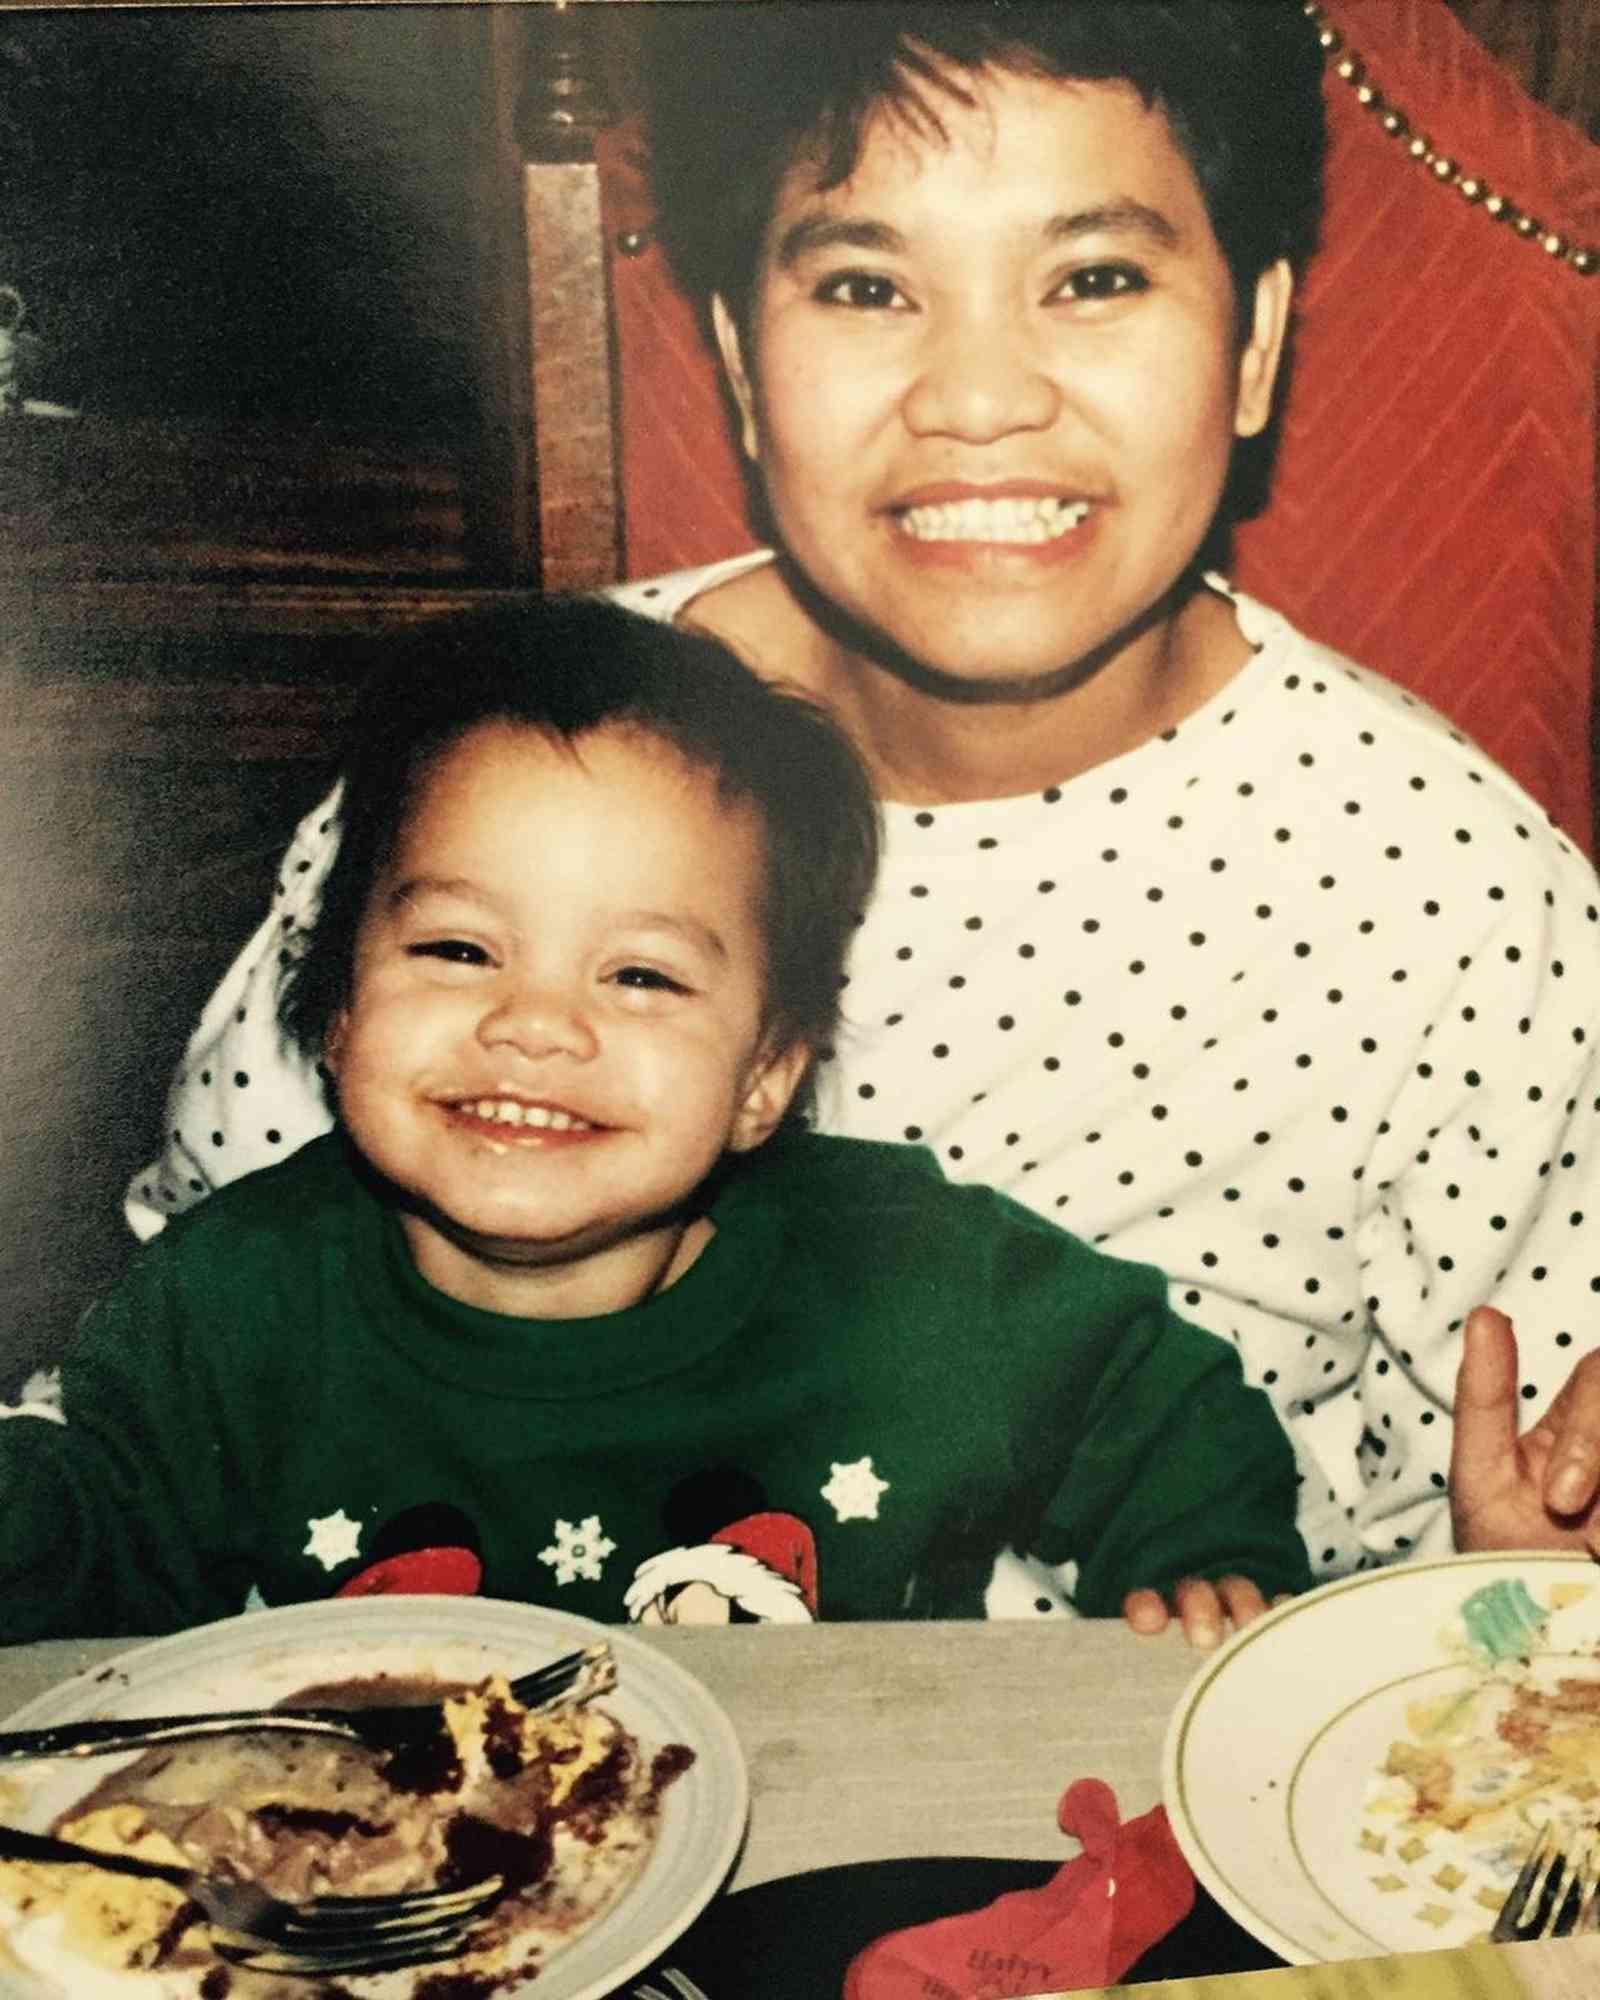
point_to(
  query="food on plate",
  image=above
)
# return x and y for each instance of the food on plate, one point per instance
(563, 1803)
(1479, 1759)
(1495, 1749)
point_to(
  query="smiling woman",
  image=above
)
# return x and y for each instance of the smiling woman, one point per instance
(993, 413)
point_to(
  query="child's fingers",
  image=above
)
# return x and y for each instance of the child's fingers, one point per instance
(1241, 1599)
(1146, 1611)
(1204, 1609)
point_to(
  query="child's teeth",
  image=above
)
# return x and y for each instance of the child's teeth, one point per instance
(507, 1111)
(1009, 520)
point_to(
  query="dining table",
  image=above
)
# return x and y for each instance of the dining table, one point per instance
(879, 1742)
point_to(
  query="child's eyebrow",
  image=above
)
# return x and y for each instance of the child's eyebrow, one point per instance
(415, 887)
(690, 929)
(1123, 216)
(814, 233)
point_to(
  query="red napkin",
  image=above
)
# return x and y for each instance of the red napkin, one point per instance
(1084, 1927)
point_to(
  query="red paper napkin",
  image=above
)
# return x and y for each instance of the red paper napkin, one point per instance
(1084, 1927)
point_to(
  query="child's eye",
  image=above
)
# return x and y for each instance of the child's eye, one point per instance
(648, 979)
(863, 291)
(454, 951)
(1094, 282)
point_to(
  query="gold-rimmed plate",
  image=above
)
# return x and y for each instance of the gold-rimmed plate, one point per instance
(1274, 1770)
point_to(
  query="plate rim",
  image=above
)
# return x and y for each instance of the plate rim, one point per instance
(1189, 1836)
(716, 1741)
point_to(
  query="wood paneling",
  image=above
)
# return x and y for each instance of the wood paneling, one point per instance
(1551, 46)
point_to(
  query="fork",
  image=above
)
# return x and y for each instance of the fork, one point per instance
(683, 1987)
(327, 1935)
(1557, 1893)
(573, 1677)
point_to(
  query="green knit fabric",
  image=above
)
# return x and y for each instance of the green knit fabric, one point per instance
(866, 1365)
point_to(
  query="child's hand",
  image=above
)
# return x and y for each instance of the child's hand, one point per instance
(1205, 1609)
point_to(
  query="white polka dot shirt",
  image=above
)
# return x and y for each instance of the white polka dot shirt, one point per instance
(1297, 1001)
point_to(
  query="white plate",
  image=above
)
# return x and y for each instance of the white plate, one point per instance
(1271, 1766)
(265, 1655)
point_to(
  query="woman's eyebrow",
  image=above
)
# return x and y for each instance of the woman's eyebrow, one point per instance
(1121, 217)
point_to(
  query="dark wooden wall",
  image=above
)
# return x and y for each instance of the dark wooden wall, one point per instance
(1553, 46)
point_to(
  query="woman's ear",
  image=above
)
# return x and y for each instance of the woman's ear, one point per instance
(730, 346)
(769, 1092)
(333, 1041)
(1262, 353)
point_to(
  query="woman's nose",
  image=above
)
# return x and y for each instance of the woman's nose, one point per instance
(979, 381)
(537, 1018)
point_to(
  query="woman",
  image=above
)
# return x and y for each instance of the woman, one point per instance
(1192, 935)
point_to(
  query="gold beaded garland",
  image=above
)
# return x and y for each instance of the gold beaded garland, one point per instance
(1584, 259)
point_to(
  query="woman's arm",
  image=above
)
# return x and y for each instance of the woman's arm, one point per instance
(1485, 1189)
(243, 1097)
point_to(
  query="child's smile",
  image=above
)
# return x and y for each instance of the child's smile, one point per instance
(556, 1018)
(510, 1120)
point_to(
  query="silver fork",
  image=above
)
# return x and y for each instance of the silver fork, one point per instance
(1557, 1893)
(683, 1987)
(574, 1677)
(328, 1935)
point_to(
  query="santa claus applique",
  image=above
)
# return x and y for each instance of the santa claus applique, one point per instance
(761, 1569)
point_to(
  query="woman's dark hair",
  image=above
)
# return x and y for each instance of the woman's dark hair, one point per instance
(741, 92)
(567, 667)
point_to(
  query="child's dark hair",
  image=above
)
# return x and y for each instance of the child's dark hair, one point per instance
(570, 666)
(741, 93)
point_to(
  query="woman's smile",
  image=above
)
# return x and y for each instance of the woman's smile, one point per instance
(1011, 520)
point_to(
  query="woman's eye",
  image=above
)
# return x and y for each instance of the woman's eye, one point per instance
(1102, 281)
(454, 951)
(648, 979)
(864, 291)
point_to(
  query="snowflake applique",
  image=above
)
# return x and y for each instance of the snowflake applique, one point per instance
(853, 1491)
(334, 1539)
(578, 1551)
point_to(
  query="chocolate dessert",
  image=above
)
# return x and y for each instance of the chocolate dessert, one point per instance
(562, 1803)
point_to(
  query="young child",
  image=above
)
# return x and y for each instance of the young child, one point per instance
(570, 1308)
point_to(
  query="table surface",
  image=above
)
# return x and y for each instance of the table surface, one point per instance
(872, 1742)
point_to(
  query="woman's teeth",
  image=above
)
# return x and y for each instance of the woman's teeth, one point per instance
(1008, 520)
(507, 1111)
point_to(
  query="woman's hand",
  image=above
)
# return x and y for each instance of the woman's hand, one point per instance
(1204, 1609)
(1536, 1490)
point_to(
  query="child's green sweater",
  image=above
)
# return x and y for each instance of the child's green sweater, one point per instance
(869, 1385)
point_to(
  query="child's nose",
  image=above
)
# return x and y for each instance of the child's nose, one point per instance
(537, 1018)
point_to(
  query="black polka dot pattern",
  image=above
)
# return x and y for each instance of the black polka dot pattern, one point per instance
(1331, 1169)
(1284, 870)
(243, 1099)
